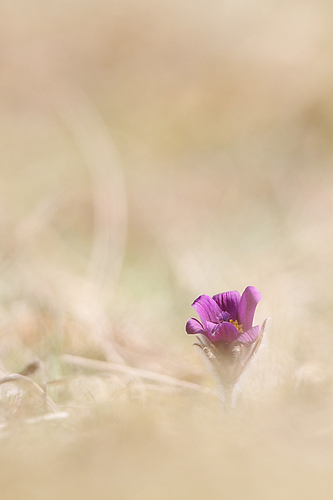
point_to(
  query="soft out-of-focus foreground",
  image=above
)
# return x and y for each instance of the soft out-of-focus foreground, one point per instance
(150, 152)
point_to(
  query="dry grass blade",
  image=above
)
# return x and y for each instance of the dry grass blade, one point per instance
(108, 186)
(105, 366)
(109, 199)
(16, 377)
(48, 417)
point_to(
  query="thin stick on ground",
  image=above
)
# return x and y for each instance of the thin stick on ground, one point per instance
(105, 366)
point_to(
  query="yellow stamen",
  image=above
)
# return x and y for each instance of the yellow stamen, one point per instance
(239, 326)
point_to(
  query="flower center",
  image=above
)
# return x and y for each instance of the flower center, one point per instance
(239, 326)
(226, 317)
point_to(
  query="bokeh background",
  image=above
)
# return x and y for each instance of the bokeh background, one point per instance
(152, 151)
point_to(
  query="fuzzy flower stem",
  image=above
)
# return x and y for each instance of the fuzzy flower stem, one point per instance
(228, 397)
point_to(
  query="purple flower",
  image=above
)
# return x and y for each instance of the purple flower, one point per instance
(229, 339)
(226, 318)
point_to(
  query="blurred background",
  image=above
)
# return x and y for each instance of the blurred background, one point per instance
(152, 151)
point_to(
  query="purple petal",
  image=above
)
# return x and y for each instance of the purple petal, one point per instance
(207, 309)
(247, 306)
(224, 331)
(228, 301)
(193, 327)
(210, 328)
(250, 335)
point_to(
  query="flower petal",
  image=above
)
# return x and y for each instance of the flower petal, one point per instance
(247, 306)
(225, 332)
(193, 327)
(228, 301)
(250, 335)
(207, 309)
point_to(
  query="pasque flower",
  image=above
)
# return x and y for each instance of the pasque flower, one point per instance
(226, 317)
(226, 333)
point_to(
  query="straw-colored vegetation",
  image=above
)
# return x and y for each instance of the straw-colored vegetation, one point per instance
(150, 152)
